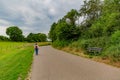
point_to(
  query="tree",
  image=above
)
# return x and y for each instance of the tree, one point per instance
(91, 10)
(42, 37)
(30, 37)
(65, 29)
(66, 32)
(110, 17)
(15, 33)
(52, 34)
(72, 15)
(39, 37)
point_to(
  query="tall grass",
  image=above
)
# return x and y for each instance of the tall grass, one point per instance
(113, 53)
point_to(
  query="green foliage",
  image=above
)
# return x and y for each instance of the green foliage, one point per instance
(42, 37)
(111, 16)
(78, 44)
(39, 37)
(96, 31)
(66, 32)
(52, 34)
(111, 23)
(115, 38)
(91, 9)
(15, 33)
(60, 44)
(113, 53)
(72, 15)
(4, 38)
(100, 42)
(63, 30)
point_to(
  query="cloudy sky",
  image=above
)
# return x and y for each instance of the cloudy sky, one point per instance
(34, 15)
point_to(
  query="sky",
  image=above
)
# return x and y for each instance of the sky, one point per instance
(34, 16)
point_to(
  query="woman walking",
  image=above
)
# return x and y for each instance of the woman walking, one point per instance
(36, 48)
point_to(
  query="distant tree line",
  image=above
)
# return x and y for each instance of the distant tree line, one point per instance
(3, 38)
(16, 34)
(39, 37)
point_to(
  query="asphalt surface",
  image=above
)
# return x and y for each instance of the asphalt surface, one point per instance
(52, 64)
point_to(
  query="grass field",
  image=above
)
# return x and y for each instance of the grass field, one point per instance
(15, 60)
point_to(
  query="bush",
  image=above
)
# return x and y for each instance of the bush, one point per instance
(112, 23)
(60, 44)
(95, 42)
(113, 53)
(96, 31)
(115, 38)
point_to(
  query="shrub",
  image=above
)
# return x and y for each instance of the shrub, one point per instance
(95, 42)
(113, 53)
(115, 38)
(60, 44)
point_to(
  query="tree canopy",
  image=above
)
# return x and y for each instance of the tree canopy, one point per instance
(62, 30)
(15, 33)
(39, 37)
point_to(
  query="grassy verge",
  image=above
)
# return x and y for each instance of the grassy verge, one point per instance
(110, 53)
(15, 60)
(80, 52)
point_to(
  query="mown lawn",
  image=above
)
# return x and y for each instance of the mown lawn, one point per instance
(15, 60)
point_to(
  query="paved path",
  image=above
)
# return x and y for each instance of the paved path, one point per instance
(52, 64)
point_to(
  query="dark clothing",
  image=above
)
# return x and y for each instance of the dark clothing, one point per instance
(36, 51)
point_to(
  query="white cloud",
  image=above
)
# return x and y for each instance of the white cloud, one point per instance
(34, 15)
(4, 22)
(47, 2)
(3, 25)
(3, 30)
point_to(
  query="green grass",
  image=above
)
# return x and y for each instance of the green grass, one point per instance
(44, 43)
(15, 60)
